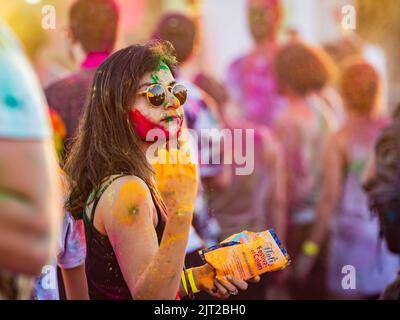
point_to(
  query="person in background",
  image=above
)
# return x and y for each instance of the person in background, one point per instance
(303, 72)
(93, 30)
(342, 210)
(382, 186)
(72, 247)
(30, 196)
(251, 79)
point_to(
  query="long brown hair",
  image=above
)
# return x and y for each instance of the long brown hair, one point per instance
(106, 143)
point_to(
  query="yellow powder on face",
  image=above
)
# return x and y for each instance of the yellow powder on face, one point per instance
(127, 206)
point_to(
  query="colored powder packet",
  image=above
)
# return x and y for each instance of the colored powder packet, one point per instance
(247, 254)
(243, 237)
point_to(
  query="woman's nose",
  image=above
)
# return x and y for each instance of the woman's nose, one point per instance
(171, 102)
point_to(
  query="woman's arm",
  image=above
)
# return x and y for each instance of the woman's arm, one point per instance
(71, 259)
(289, 135)
(333, 161)
(277, 199)
(75, 283)
(151, 271)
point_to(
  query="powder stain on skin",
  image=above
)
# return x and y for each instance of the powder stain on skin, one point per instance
(173, 238)
(127, 205)
(133, 210)
(163, 66)
(177, 102)
(111, 196)
(169, 119)
(174, 171)
(154, 77)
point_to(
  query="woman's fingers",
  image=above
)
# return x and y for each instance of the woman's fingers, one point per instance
(216, 294)
(221, 289)
(232, 289)
(240, 284)
(226, 286)
(256, 279)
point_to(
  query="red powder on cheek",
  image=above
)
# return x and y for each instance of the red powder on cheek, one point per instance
(143, 125)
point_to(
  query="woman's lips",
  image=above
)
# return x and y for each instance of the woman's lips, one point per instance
(169, 119)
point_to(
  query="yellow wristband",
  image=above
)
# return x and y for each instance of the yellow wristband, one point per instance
(310, 248)
(191, 281)
(183, 278)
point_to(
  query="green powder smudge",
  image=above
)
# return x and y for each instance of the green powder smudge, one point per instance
(155, 78)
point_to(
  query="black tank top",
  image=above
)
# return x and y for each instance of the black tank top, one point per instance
(104, 276)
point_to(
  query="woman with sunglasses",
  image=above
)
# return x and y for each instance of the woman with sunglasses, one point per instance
(135, 242)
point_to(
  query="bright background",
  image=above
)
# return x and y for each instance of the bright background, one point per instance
(224, 33)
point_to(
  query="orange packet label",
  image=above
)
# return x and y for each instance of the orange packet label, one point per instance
(254, 254)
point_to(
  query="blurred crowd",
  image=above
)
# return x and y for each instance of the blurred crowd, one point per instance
(326, 157)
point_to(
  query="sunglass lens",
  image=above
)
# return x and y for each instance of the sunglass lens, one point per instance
(156, 95)
(180, 92)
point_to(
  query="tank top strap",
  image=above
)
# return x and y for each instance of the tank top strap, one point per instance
(97, 196)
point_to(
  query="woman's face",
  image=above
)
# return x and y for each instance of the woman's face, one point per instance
(168, 116)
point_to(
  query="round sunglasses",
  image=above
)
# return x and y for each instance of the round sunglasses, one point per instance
(156, 94)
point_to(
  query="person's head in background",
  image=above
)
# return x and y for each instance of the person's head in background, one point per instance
(264, 17)
(181, 31)
(301, 70)
(360, 88)
(93, 26)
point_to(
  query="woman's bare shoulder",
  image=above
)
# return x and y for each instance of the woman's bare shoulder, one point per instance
(126, 202)
(130, 186)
